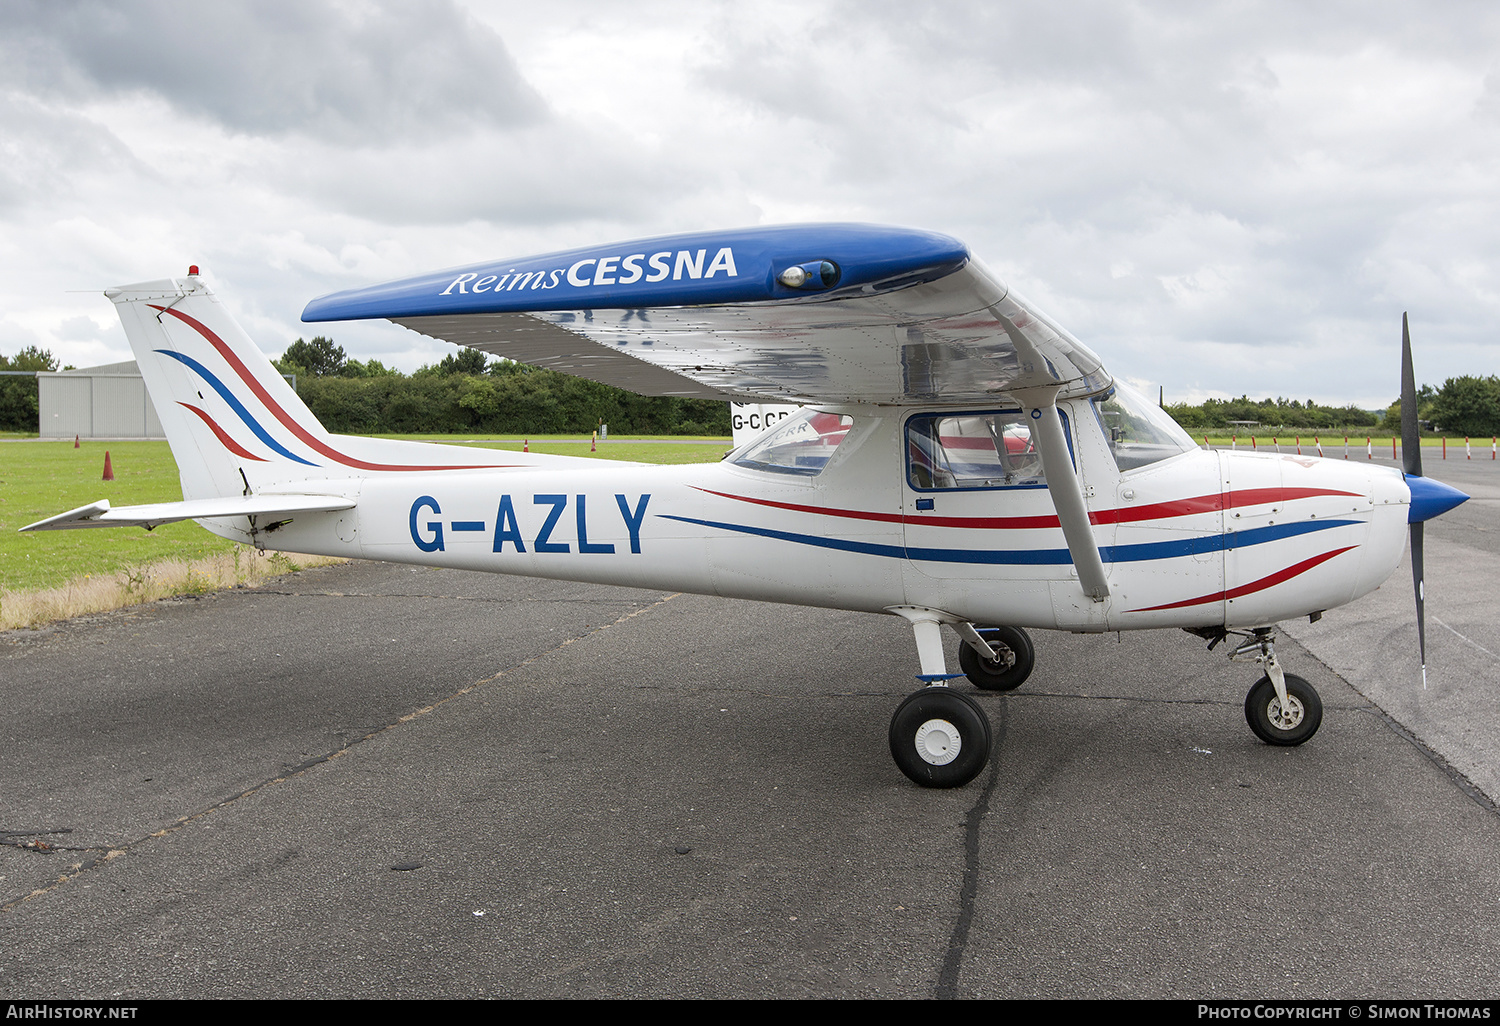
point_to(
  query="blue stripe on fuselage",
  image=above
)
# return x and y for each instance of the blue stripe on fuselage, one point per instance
(1196, 545)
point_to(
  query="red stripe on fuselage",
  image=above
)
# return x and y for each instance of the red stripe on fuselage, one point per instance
(290, 422)
(1278, 577)
(1123, 515)
(229, 443)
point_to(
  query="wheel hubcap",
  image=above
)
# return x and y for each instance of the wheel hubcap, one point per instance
(1288, 718)
(1005, 657)
(938, 742)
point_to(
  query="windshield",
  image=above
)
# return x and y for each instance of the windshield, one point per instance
(1140, 432)
(801, 444)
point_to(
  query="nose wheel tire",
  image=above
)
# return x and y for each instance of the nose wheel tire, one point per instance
(940, 738)
(1017, 658)
(1292, 725)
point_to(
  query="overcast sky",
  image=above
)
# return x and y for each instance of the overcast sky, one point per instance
(1219, 198)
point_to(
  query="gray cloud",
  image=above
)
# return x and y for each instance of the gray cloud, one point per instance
(42, 146)
(354, 72)
(1270, 178)
(1222, 197)
(566, 175)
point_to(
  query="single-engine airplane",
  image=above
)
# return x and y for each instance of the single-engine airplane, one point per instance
(961, 460)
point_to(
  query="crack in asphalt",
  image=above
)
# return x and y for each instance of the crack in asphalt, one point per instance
(115, 851)
(42, 847)
(1465, 786)
(1463, 783)
(946, 987)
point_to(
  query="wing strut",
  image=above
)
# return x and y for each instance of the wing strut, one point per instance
(1067, 494)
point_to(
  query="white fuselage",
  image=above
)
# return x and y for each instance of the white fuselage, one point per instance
(1200, 539)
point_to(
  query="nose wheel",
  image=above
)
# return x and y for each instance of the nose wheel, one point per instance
(1284, 722)
(1282, 708)
(940, 738)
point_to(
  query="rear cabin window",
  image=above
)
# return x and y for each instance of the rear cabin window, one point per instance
(801, 444)
(972, 450)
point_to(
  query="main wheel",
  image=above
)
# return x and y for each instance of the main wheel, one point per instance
(940, 738)
(1010, 671)
(1290, 726)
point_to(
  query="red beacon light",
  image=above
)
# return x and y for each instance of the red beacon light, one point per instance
(192, 270)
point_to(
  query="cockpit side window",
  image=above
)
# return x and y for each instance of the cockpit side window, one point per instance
(972, 450)
(801, 444)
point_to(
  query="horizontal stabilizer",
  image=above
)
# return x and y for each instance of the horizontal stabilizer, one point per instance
(100, 514)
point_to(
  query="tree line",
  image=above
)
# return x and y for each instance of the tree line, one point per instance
(1462, 406)
(467, 391)
(18, 395)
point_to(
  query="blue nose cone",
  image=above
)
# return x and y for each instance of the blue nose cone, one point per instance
(1430, 498)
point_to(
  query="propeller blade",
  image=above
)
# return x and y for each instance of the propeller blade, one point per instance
(1429, 498)
(1411, 439)
(1416, 581)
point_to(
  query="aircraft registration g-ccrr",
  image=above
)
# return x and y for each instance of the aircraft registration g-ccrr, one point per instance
(961, 460)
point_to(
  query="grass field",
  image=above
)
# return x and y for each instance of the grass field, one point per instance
(41, 478)
(38, 479)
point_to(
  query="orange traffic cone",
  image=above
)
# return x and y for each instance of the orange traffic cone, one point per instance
(109, 471)
(75, 441)
(526, 445)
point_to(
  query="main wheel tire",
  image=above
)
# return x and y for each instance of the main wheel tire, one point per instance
(940, 738)
(1291, 726)
(1017, 658)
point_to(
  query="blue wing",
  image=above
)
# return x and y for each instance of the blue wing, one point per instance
(802, 313)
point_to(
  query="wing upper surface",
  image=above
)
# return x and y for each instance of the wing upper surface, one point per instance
(897, 316)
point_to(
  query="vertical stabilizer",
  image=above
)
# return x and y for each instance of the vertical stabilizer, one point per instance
(234, 423)
(223, 406)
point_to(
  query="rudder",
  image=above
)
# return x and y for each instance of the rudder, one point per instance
(227, 414)
(234, 423)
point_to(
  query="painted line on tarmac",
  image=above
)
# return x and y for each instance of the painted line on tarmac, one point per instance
(1471, 641)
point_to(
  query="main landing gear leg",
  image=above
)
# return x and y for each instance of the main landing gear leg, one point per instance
(939, 738)
(1282, 708)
